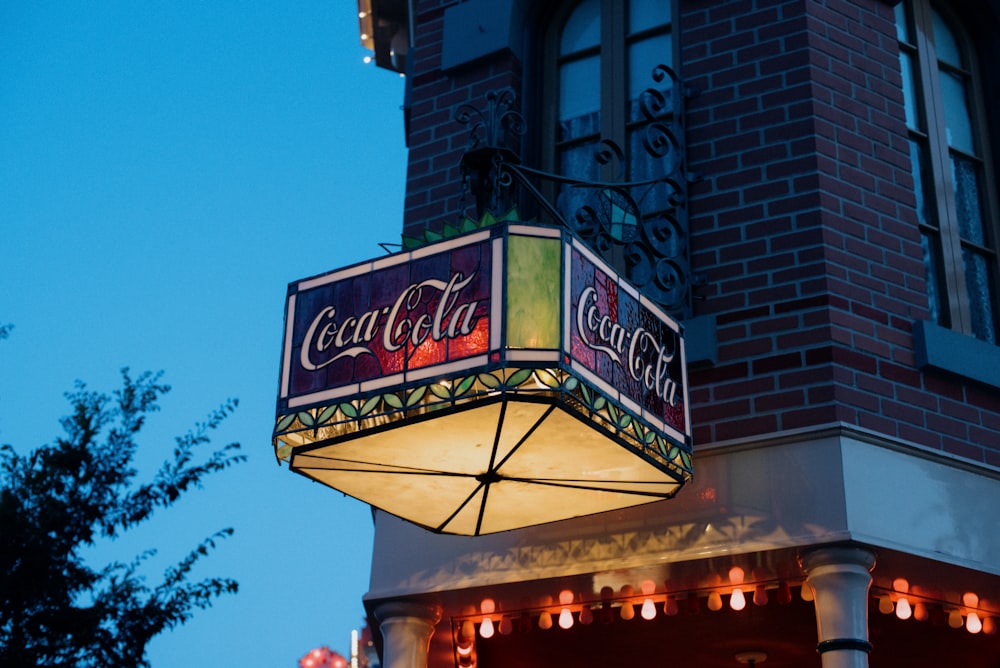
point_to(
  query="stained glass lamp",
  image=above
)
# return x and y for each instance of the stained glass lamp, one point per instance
(498, 379)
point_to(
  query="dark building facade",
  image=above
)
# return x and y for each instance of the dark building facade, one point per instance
(814, 196)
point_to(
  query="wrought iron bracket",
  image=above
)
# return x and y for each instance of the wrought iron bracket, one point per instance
(638, 225)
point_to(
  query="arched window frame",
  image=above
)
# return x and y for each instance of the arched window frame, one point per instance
(954, 296)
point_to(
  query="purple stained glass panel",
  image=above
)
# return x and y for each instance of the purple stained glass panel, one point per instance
(406, 316)
(628, 345)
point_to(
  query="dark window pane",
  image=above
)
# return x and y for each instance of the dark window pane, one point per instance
(582, 29)
(645, 14)
(958, 122)
(945, 42)
(935, 289)
(909, 91)
(977, 280)
(968, 208)
(921, 183)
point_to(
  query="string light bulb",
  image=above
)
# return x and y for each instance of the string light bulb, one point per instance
(784, 596)
(760, 595)
(670, 607)
(486, 629)
(989, 626)
(903, 609)
(648, 610)
(714, 601)
(565, 615)
(506, 626)
(586, 615)
(972, 623)
(806, 592)
(955, 620)
(885, 605)
(545, 621)
(737, 601)
(627, 611)
(920, 612)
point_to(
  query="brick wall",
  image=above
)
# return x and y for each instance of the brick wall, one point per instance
(805, 228)
(436, 141)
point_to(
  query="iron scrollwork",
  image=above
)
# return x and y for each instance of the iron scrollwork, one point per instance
(638, 225)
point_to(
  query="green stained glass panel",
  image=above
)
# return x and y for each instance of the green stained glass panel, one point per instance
(533, 292)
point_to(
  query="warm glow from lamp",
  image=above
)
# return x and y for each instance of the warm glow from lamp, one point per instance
(885, 605)
(545, 621)
(486, 629)
(955, 619)
(901, 585)
(903, 610)
(737, 601)
(464, 649)
(627, 611)
(760, 595)
(487, 606)
(714, 601)
(506, 626)
(586, 615)
(970, 599)
(973, 623)
(920, 612)
(989, 626)
(670, 607)
(468, 630)
(806, 592)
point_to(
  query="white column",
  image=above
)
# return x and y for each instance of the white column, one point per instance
(840, 577)
(406, 628)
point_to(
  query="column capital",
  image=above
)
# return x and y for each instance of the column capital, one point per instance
(844, 555)
(414, 609)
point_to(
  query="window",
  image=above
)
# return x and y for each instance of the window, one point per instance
(604, 54)
(956, 206)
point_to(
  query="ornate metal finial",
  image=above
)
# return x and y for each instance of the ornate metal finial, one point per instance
(635, 216)
(487, 151)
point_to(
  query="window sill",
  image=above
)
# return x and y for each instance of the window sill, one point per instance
(946, 350)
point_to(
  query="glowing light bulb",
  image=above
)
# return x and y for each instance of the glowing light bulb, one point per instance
(366, 60)
(714, 601)
(901, 585)
(885, 605)
(670, 607)
(760, 595)
(970, 599)
(565, 597)
(736, 575)
(955, 619)
(628, 611)
(806, 592)
(468, 630)
(506, 626)
(920, 612)
(989, 626)
(737, 601)
(545, 621)
(586, 615)
(648, 610)
(565, 619)
(486, 629)
(973, 623)
(903, 610)
(487, 606)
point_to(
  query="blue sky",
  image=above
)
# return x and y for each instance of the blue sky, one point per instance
(166, 169)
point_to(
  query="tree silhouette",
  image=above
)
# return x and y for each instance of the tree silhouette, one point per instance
(55, 609)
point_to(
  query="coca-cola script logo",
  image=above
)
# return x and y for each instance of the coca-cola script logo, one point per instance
(641, 352)
(407, 321)
(328, 339)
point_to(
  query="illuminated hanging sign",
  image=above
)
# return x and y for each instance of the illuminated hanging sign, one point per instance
(496, 380)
